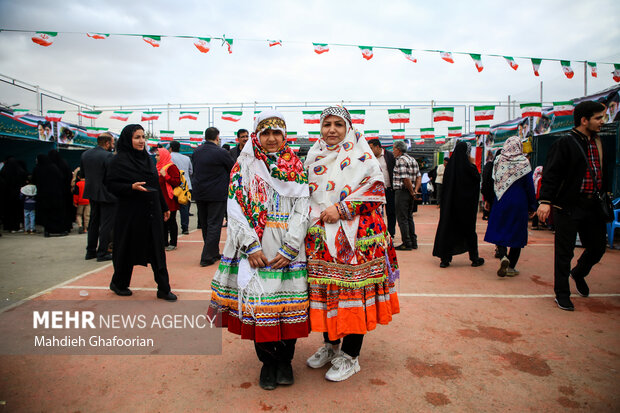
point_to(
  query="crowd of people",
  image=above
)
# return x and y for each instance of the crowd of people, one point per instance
(307, 247)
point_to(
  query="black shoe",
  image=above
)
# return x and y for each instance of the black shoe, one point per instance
(499, 254)
(403, 247)
(106, 257)
(582, 286)
(565, 303)
(123, 293)
(185, 232)
(206, 263)
(444, 264)
(46, 234)
(284, 374)
(268, 377)
(90, 255)
(477, 262)
(414, 246)
(166, 296)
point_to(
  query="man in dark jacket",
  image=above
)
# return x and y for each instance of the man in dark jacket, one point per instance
(386, 162)
(211, 165)
(102, 203)
(568, 185)
(242, 137)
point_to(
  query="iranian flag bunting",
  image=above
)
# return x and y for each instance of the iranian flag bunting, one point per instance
(477, 61)
(203, 44)
(90, 114)
(146, 116)
(536, 65)
(563, 108)
(152, 142)
(399, 115)
(440, 140)
(121, 115)
(455, 131)
(409, 55)
(482, 129)
(195, 135)
(443, 114)
(427, 133)
(291, 136)
(95, 132)
(447, 56)
(314, 136)
(295, 148)
(511, 62)
(568, 71)
(44, 38)
(358, 116)
(320, 48)
(256, 112)
(371, 134)
(418, 141)
(593, 69)
(20, 112)
(367, 52)
(312, 116)
(398, 134)
(531, 109)
(616, 72)
(152, 40)
(98, 36)
(484, 113)
(189, 115)
(166, 135)
(229, 43)
(275, 43)
(233, 116)
(54, 115)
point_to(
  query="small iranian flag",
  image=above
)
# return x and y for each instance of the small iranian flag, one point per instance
(189, 115)
(447, 56)
(146, 116)
(295, 148)
(275, 43)
(563, 108)
(320, 48)
(531, 109)
(203, 44)
(511, 62)
(409, 55)
(152, 142)
(166, 135)
(536, 65)
(443, 113)
(418, 141)
(593, 69)
(477, 61)
(427, 133)
(398, 134)
(152, 40)
(98, 36)
(195, 135)
(440, 140)
(358, 116)
(616, 72)
(291, 136)
(314, 136)
(371, 134)
(256, 112)
(399, 115)
(54, 115)
(44, 38)
(312, 116)
(367, 52)
(484, 113)
(233, 116)
(483, 130)
(121, 115)
(95, 132)
(90, 114)
(18, 113)
(229, 43)
(455, 131)
(568, 71)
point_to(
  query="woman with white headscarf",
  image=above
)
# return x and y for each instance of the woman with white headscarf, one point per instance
(514, 198)
(260, 290)
(351, 259)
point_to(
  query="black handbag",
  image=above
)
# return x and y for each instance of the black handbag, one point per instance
(605, 208)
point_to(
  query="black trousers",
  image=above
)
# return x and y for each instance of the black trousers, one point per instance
(184, 213)
(274, 352)
(172, 229)
(123, 270)
(513, 255)
(581, 219)
(351, 343)
(390, 211)
(100, 227)
(211, 215)
(404, 214)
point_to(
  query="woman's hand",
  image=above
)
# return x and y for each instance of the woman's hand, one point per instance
(137, 186)
(257, 259)
(279, 262)
(166, 216)
(487, 206)
(330, 215)
(162, 172)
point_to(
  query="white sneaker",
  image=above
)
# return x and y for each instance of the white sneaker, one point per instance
(503, 267)
(511, 272)
(343, 367)
(323, 356)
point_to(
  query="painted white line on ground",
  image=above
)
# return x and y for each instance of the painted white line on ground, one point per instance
(99, 287)
(486, 244)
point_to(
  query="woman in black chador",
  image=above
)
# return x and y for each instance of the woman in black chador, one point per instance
(138, 228)
(50, 208)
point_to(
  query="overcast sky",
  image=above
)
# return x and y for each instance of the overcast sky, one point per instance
(125, 70)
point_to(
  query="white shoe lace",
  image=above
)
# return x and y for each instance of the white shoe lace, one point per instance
(322, 352)
(341, 363)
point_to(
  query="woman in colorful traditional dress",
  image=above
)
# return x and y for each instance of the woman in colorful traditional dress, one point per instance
(351, 259)
(260, 289)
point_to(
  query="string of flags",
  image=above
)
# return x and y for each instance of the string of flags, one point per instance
(203, 44)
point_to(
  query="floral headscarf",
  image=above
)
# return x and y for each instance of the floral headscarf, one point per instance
(509, 166)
